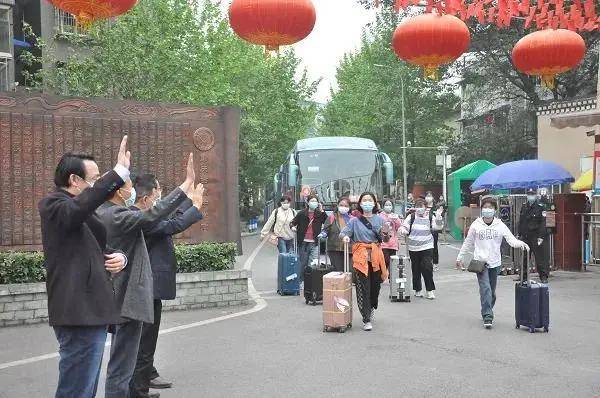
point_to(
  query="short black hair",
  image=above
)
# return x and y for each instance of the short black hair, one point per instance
(491, 200)
(285, 198)
(144, 184)
(70, 163)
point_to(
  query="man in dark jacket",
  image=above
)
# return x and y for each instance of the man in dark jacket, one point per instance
(161, 249)
(532, 230)
(134, 287)
(79, 265)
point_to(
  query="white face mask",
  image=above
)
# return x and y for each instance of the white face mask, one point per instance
(388, 209)
(421, 211)
(285, 206)
(343, 209)
(429, 200)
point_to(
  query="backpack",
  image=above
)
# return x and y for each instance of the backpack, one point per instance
(412, 221)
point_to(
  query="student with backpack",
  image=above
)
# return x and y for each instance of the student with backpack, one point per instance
(277, 227)
(419, 227)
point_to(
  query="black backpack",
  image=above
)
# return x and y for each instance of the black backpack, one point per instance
(412, 221)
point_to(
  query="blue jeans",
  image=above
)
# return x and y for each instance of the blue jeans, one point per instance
(81, 350)
(307, 252)
(487, 291)
(285, 246)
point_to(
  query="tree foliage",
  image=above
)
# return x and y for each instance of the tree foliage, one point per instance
(184, 52)
(368, 103)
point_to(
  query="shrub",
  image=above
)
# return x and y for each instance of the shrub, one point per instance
(21, 267)
(205, 257)
(27, 267)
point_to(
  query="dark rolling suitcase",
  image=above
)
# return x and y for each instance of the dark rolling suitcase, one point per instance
(532, 303)
(288, 280)
(313, 279)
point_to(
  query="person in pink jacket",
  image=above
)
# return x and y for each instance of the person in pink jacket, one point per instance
(392, 223)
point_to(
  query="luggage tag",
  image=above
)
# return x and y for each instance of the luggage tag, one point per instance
(342, 304)
(290, 277)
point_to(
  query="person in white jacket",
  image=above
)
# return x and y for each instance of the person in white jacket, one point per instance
(484, 240)
(278, 226)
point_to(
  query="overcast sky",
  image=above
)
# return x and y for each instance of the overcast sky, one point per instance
(337, 31)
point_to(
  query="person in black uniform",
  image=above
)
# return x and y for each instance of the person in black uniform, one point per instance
(532, 230)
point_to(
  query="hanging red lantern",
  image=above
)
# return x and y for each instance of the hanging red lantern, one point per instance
(546, 53)
(272, 23)
(88, 11)
(431, 40)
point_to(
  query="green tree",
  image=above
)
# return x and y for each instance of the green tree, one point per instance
(184, 52)
(368, 103)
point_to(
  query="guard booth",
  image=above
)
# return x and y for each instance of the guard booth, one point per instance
(459, 182)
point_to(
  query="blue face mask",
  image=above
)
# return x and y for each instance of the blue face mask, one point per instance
(388, 209)
(488, 212)
(367, 206)
(421, 211)
(313, 205)
(131, 200)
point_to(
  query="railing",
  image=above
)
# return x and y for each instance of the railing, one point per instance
(590, 239)
(66, 23)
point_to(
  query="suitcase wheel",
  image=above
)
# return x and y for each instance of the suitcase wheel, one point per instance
(518, 326)
(546, 329)
(314, 298)
(407, 299)
(531, 330)
(325, 329)
(342, 329)
(306, 300)
(349, 326)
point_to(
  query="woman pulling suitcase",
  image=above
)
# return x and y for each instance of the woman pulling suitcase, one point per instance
(365, 231)
(393, 222)
(484, 240)
(308, 224)
(335, 223)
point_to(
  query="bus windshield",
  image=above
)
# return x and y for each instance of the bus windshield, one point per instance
(319, 167)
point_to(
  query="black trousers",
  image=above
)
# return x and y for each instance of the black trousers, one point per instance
(436, 253)
(337, 260)
(144, 368)
(387, 253)
(539, 253)
(422, 265)
(367, 292)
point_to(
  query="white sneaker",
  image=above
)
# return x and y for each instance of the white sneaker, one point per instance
(419, 293)
(436, 268)
(367, 327)
(430, 295)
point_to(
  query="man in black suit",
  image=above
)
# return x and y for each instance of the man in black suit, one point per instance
(134, 286)
(80, 266)
(164, 269)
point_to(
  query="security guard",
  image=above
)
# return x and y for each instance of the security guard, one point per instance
(532, 230)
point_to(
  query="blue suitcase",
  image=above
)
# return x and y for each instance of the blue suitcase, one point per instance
(288, 280)
(532, 303)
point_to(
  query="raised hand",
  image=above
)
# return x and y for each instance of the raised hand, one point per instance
(197, 196)
(190, 176)
(124, 156)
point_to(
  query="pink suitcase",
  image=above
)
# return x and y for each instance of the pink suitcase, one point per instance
(337, 298)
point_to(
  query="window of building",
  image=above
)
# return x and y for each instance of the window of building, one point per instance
(66, 23)
(6, 47)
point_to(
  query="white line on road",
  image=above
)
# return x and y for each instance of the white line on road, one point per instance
(260, 305)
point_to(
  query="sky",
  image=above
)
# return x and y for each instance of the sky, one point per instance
(337, 31)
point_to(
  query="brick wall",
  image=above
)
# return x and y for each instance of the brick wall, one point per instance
(27, 303)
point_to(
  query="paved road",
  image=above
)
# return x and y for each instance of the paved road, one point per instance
(419, 349)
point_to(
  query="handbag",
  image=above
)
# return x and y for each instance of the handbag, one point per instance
(272, 237)
(476, 266)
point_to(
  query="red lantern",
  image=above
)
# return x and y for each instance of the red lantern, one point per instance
(431, 40)
(87, 11)
(272, 23)
(546, 53)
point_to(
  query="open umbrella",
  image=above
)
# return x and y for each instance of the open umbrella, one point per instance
(584, 183)
(523, 174)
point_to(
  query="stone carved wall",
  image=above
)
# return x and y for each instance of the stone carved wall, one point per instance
(36, 130)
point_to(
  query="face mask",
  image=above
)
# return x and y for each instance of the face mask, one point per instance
(488, 212)
(285, 206)
(421, 211)
(531, 198)
(313, 205)
(131, 200)
(343, 209)
(429, 200)
(388, 209)
(367, 206)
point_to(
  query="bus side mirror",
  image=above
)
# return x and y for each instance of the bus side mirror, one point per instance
(388, 168)
(292, 175)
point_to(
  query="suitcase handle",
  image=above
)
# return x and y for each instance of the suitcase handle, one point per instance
(326, 256)
(346, 257)
(524, 268)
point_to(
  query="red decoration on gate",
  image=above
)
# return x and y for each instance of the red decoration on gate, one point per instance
(575, 15)
(87, 11)
(546, 53)
(430, 40)
(272, 23)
